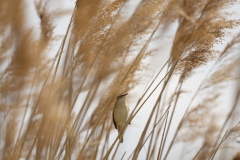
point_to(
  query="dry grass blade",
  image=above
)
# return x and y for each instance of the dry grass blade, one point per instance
(61, 107)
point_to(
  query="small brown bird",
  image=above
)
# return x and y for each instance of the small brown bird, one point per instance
(120, 114)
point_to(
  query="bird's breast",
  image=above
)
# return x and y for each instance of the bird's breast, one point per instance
(121, 114)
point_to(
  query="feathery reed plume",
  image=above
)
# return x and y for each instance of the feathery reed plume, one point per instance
(61, 107)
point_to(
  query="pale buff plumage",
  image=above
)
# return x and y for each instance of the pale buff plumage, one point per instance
(120, 114)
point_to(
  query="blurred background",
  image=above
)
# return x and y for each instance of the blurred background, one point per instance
(64, 62)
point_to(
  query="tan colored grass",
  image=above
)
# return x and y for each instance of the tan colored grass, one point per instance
(41, 117)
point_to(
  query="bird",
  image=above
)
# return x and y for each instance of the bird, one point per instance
(120, 114)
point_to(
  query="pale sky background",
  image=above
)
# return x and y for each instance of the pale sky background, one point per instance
(133, 132)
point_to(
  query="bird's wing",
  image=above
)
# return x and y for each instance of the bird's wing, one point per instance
(114, 121)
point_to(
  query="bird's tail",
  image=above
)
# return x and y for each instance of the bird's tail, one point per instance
(121, 136)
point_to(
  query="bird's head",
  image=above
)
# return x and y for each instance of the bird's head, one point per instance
(121, 96)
